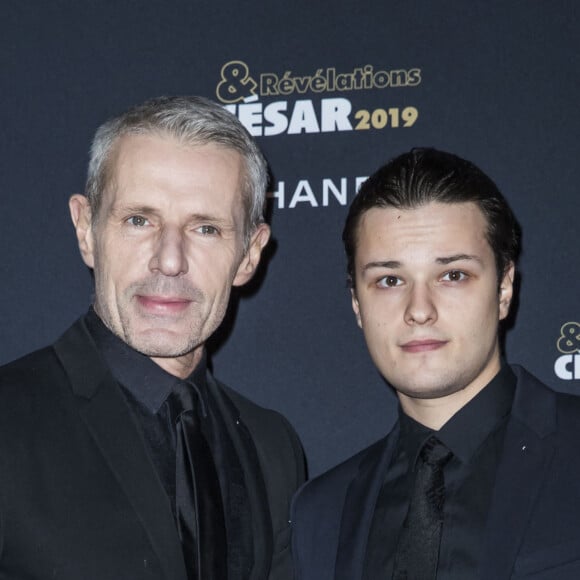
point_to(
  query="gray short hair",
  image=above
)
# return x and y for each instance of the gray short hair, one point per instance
(193, 120)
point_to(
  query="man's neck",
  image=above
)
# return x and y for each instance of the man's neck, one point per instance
(182, 366)
(435, 412)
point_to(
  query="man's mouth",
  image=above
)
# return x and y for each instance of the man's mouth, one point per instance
(423, 345)
(163, 304)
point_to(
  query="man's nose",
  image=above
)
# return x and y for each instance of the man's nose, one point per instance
(169, 256)
(421, 307)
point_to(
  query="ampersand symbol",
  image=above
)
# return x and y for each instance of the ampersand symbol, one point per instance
(236, 83)
(569, 340)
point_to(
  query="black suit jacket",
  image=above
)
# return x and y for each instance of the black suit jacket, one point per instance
(533, 527)
(79, 496)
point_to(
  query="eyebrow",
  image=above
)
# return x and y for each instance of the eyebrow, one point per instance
(392, 264)
(458, 257)
(148, 210)
(395, 264)
(123, 209)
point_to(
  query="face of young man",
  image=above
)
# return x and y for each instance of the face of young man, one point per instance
(167, 245)
(427, 300)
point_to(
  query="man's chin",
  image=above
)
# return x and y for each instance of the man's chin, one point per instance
(426, 390)
(162, 344)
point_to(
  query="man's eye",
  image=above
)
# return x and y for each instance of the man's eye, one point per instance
(389, 282)
(454, 276)
(207, 230)
(137, 220)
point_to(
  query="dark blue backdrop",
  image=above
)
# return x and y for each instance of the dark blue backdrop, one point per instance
(494, 81)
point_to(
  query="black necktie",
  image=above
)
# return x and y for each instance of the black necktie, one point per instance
(418, 546)
(199, 506)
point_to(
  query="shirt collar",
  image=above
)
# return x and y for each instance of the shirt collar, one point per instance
(466, 431)
(145, 380)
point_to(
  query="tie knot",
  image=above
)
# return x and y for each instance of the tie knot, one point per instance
(184, 397)
(434, 453)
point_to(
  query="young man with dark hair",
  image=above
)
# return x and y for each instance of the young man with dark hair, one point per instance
(478, 477)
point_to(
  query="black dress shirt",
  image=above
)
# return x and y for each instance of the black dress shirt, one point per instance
(474, 435)
(147, 387)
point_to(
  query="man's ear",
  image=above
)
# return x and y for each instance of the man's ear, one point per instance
(506, 291)
(81, 215)
(355, 306)
(251, 259)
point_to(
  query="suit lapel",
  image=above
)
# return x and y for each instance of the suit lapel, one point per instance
(359, 507)
(255, 486)
(524, 464)
(109, 420)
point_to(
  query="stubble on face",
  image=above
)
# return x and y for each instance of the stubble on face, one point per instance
(162, 284)
(154, 343)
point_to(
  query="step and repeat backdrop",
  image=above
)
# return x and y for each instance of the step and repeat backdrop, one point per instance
(331, 90)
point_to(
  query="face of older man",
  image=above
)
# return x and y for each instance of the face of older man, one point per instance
(427, 300)
(168, 245)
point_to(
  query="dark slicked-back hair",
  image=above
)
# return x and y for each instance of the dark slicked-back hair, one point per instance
(423, 176)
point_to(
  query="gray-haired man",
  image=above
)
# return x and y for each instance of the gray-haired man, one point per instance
(120, 455)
